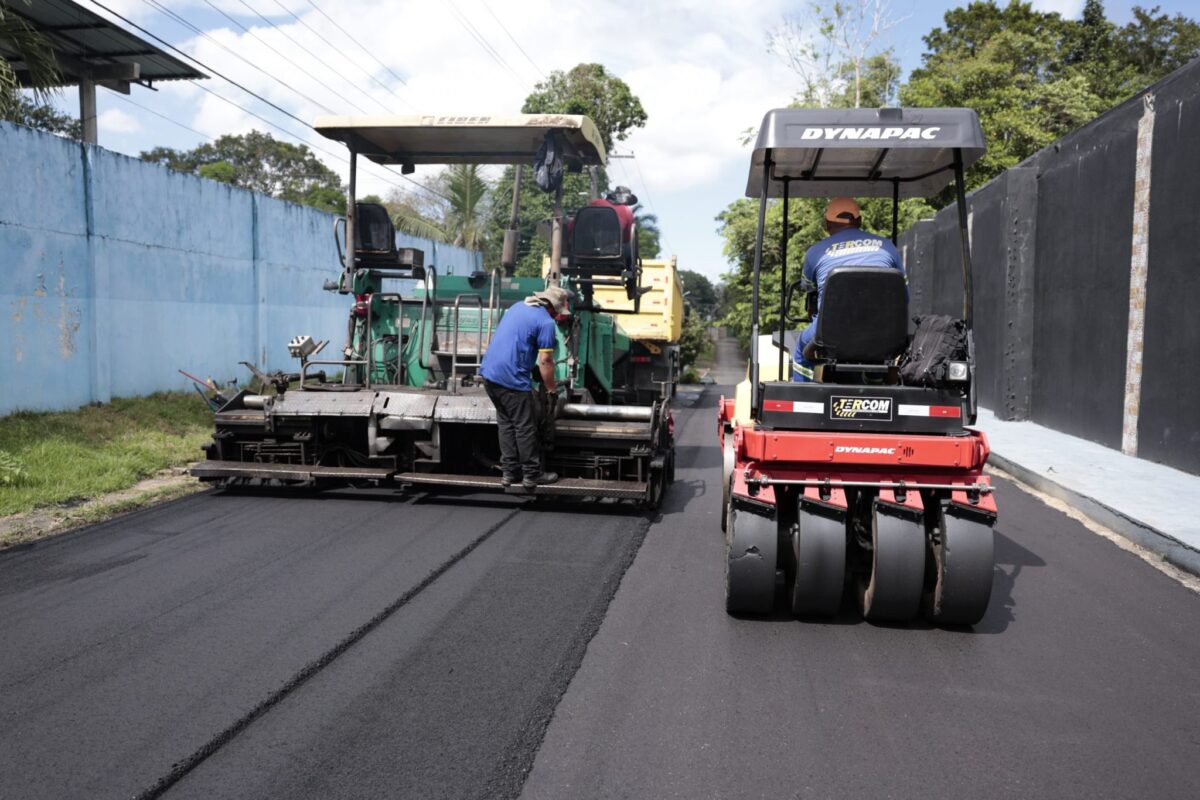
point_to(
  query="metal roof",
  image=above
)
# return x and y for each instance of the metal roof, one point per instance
(862, 152)
(88, 46)
(464, 139)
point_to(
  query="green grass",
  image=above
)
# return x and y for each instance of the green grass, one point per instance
(59, 457)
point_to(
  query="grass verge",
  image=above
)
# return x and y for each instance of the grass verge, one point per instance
(59, 458)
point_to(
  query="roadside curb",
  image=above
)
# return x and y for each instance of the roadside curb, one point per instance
(1163, 544)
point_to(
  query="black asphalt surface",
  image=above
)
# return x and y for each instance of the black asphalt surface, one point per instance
(367, 645)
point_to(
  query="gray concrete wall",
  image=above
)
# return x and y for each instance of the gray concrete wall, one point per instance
(1073, 330)
(117, 272)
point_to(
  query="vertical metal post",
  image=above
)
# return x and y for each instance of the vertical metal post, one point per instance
(87, 110)
(783, 281)
(351, 223)
(554, 274)
(594, 181)
(960, 191)
(758, 248)
(895, 208)
(508, 257)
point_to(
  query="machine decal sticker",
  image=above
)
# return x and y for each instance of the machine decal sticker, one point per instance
(912, 132)
(860, 408)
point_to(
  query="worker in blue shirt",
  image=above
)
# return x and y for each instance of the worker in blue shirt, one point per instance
(525, 335)
(847, 245)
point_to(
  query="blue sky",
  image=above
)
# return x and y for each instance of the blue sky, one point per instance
(700, 67)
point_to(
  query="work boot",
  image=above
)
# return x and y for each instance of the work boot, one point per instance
(541, 480)
(507, 480)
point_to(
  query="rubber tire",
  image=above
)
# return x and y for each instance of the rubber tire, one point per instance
(964, 565)
(728, 462)
(751, 555)
(670, 470)
(893, 592)
(819, 544)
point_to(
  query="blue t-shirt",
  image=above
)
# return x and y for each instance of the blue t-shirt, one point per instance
(851, 247)
(523, 331)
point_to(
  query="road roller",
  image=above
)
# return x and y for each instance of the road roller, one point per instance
(866, 482)
(401, 403)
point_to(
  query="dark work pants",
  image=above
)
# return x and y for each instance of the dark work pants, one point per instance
(518, 432)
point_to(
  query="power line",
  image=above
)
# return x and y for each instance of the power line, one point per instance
(351, 38)
(271, 47)
(512, 38)
(483, 42)
(345, 57)
(646, 189)
(257, 96)
(239, 56)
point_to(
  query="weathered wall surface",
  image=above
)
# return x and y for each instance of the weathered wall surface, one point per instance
(117, 272)
(1084, 321)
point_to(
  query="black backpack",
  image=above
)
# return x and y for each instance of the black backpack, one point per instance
(938, 340)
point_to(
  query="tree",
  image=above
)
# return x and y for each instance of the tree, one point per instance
(35, 55)
(44, 117)
(585, 89)
(1034, 76)
(835, 63)
(589, 89)
(699, 292)
(261, 163)
(649, 235)
(465, 217)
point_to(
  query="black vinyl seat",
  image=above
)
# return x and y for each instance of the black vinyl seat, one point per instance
(863, 317)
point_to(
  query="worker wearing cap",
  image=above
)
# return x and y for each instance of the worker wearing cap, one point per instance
(524, 337)
(847, 245)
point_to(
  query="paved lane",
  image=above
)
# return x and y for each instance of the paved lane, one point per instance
(1080, 682)
(132, 647)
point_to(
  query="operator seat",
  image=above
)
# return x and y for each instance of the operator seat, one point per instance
(863, 324)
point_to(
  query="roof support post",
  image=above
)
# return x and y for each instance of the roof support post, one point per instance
(895, 208)
(960, 192)
(508, 256)
(87, 110)
(783, 247)
(554, 275)
(758, 248)
(351, 223)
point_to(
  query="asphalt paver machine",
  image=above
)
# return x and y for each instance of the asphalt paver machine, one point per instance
(402, 402)
(860, 481)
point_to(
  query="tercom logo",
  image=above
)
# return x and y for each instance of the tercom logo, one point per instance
(841, 132)
(860, 408)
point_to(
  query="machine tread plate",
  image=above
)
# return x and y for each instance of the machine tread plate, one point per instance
(312, 403)
(287, 472)
(565, 487)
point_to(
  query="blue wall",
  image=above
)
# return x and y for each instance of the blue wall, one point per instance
(116, 272)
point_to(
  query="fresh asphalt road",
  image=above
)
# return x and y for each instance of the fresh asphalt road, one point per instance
(372, 645)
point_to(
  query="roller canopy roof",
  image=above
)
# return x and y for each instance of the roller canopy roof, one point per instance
(464, 139)
(859, 152)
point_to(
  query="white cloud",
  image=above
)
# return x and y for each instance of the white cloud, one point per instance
(1068, 8)
(114, 120)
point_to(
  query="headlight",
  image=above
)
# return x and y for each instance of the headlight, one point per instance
(958, 371)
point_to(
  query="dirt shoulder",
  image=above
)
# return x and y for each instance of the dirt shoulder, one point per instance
(29, 526)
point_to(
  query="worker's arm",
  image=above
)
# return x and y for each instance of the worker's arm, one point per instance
(545, 365)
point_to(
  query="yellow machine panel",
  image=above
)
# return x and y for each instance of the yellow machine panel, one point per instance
(661, 316)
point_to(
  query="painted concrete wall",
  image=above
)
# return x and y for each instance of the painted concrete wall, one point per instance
(1055, 249)
(116, 272)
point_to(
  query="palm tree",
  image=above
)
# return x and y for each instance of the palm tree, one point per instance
(649, 234)
(21, 44)
(465, 216)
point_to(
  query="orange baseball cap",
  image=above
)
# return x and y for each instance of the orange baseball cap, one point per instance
(842, 209)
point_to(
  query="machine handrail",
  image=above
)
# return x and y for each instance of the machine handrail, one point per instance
(458, 299)
(329, 363)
